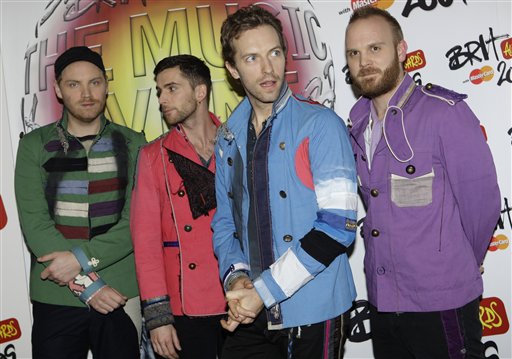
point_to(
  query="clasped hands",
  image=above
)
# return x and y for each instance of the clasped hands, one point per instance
(64, 267)
(244, 304)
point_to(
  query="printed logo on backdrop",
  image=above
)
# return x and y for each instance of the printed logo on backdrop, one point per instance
(9, 330)
(3, 214)
(491, 350)
(506, 216)
(9, 352)
(493, 316)
(484, 49)
(359, 325)
(500, 241)
(133, 36)
(415, 60)
(381, 4)
(426, 5)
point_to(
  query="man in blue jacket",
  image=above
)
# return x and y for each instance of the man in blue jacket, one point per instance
(287, 202)
(429, 184)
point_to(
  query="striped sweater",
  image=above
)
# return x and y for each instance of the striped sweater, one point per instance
(70, 198)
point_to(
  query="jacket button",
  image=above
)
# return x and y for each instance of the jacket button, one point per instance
(363, 158)
(230, 161)
(287, 238)
(230, 194)
(22, 134)
(394, 111)
(374, 192)
(381, 271)
(188, 228)
(410, 169)
(282, 145)
(192, 266)
(428, 86)
(181, 193)
(282, 194)
(375, 233)
(235, 234)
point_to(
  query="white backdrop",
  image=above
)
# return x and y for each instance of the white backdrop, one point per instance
(464, 45)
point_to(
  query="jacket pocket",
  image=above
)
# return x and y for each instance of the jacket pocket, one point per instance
(412, 182)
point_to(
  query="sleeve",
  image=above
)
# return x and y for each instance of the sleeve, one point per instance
(472, 176)
(38, 227)
(146, 227)
(115, 244)
(334, 178)
(227, 248)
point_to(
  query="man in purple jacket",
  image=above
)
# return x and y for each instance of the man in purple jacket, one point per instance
(429, 184)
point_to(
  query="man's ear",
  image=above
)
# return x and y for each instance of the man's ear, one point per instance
(200, 93)
(401, 49)
(232, 70)
(57, 89)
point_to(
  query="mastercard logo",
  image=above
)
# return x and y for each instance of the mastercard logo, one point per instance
(381, 4)
(506, 48)
(3, 214)
(499, 242)
(477, 76)
(415, 60)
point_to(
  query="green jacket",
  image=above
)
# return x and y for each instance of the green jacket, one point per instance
(70, 199)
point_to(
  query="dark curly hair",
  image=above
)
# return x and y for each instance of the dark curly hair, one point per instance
(193, 68)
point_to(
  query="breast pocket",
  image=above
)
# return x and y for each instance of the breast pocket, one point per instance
(412, 183)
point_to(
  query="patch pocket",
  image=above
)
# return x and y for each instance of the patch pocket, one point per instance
(412, 192)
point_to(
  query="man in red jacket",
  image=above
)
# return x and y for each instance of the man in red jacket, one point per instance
(173, 202)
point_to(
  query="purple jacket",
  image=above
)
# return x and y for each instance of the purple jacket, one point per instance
(432, 200)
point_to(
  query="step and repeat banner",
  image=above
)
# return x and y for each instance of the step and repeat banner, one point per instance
(465, 45)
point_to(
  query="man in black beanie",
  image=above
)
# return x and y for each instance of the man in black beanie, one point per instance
(72, 184)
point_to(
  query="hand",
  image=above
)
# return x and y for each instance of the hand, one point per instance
(235, 316)
(63, 267)
(106, 299)
(165, 341)
(244, 305)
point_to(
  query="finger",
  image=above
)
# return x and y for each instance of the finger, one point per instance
(175, 339)
(97, 307)
(168, 349)
(125, 298)
(46, 257)
(242, 312)
(233, 308)
(45, 274)
(229, 325)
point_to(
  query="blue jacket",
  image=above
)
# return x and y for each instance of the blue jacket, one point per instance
(312, 185)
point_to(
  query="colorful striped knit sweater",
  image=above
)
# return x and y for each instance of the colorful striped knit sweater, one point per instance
(69, 198)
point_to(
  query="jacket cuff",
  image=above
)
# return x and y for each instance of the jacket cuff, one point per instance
(264, 293)
(157, 312)
(233, 277)
(83, 260)
(233, 268)
(85, 286)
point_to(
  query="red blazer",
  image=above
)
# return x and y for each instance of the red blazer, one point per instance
(173, 252)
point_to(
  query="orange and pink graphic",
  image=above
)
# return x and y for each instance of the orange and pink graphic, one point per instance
(133, 36)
